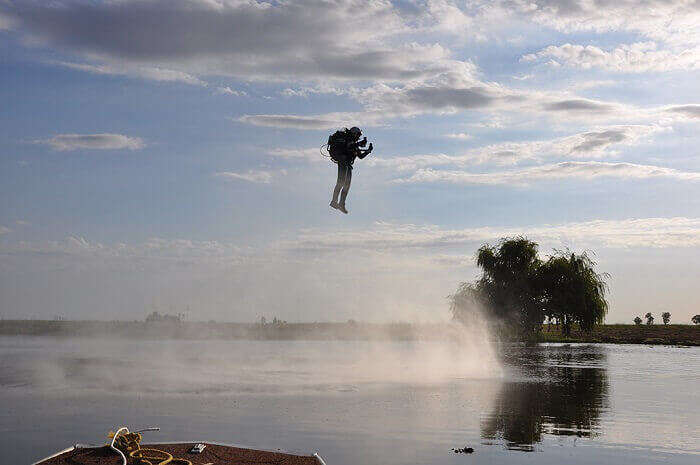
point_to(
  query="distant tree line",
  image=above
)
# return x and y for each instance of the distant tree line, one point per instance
(522, 290)
(156, 316)
(665, 316)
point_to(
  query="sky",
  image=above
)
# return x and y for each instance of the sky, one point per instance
(164, 154)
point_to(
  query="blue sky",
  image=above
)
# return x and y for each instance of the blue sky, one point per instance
(165, 153)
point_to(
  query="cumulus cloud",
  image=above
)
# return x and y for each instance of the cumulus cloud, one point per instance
(321, 42)
(634, 58)
(457, 90)
(670, 21)
(690, 111)
(405, 78)
(382, 102)
(255, 176)
(582, 170)
(106, 141)
(449, 92)
(306, 39)
(671, 26)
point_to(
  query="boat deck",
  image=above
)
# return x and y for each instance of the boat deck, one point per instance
(213, 454)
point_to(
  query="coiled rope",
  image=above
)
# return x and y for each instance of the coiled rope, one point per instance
(129, 445)
(325, 153)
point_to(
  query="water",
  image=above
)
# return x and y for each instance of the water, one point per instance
(358, 403)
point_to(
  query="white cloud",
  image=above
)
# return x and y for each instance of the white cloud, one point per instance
(583, 170)
(145, 72)
(291, 121)
(597, 143)
(449, 93)
(106, 141)
(625, 233)
(601, 142)
(672, 21)
(634, 58)
(584, 85)
(368, 44)
(583, 106)
(690, 111)
(302, 92)
(305, 39)
(228, 91)
(456, 89)
(255, 176)
(459, 135)
(4, 230)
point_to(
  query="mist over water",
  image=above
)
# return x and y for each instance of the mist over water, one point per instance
(381, 402)
(229, 367)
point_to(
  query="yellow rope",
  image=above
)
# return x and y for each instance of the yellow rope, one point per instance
(130, 445)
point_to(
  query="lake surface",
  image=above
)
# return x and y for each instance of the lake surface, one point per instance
(359, 403)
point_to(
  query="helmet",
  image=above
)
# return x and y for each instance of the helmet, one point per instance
(356, 131)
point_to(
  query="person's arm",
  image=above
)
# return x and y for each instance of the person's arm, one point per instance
(356, 145)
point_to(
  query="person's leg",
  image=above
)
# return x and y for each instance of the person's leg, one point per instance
(346, 185)
(338, 184)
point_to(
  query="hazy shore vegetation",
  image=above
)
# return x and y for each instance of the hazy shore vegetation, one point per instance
(672, 334)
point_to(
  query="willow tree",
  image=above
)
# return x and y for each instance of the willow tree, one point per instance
(506, 289)
(516, 287)
(572, 291)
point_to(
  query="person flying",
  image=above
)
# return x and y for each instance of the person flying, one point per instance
(344, 147)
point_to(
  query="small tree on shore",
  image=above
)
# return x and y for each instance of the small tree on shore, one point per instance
(696, 320)
(637, 321)
(666, 316)
(650, 318)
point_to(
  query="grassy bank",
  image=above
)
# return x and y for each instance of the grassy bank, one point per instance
(615, 334)
(628, 334)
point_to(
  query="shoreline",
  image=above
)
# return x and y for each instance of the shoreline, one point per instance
(683, 335)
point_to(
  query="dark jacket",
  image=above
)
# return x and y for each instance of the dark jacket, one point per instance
(354, 150)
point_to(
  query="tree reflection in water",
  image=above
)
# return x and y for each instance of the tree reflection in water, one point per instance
(558, 390)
